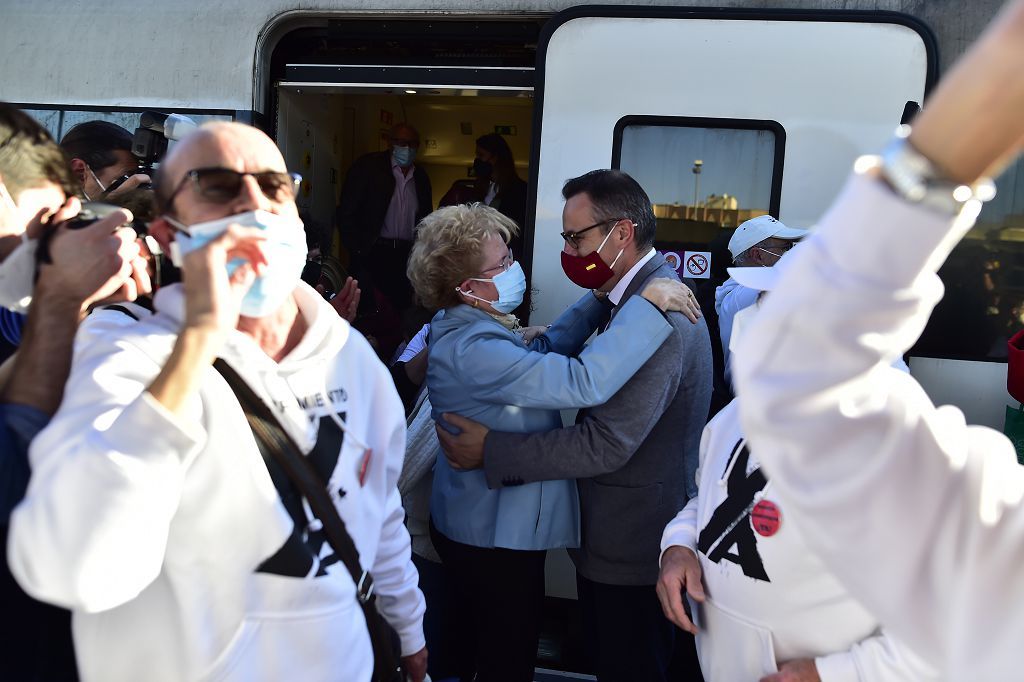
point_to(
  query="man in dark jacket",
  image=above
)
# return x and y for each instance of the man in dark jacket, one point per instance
(385, 194)
(635, 456)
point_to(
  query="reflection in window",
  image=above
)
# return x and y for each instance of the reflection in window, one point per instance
(60, 121)
(983, 304)
(700, 179)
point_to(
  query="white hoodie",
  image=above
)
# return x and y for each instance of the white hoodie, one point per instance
(168, 538)
(769, 598)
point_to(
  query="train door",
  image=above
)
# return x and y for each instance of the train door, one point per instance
(721, 116)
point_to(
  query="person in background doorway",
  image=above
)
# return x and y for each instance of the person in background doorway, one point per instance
(385, 194)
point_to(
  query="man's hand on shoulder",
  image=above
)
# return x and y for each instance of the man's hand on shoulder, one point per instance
(466, 450)
(671, 295)
(680, 572)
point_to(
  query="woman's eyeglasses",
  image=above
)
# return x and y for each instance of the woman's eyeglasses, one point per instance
(221, 185)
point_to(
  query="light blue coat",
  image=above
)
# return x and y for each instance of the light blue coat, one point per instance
(479, 369)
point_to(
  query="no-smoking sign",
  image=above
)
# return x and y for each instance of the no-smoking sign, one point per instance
(697, 264)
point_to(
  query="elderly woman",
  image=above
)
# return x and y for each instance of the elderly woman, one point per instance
(493, 542)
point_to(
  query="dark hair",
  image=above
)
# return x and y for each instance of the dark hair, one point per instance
(496, 144)
(28, 155)
(95, 143)
(615, 194)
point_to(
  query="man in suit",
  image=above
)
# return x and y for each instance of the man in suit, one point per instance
(385, 194)
(635, 457)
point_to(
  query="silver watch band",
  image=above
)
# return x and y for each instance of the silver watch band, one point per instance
(915, 178)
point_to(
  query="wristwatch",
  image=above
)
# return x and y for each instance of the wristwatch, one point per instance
(915, 178)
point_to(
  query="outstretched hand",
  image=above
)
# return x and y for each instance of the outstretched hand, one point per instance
(346, 301)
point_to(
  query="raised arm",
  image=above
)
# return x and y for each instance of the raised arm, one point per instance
(918, 514)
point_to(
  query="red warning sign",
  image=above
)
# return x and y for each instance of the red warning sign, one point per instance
(766, 518)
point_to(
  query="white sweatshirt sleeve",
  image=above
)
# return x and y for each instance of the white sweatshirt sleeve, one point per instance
(395, 578)
(918, 514)
(875, 659)
(107, 475)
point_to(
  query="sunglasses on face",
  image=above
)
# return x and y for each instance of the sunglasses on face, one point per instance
(221, 185)
(573, 238)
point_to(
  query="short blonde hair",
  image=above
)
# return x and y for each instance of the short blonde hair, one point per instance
(449, 248)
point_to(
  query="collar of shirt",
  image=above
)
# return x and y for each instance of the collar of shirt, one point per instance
(399, 174)
(617, 292)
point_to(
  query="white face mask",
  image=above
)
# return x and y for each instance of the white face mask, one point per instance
(18, 270)
(285, 251)
(17, 275)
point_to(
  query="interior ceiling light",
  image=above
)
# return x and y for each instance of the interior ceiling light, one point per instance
(410, 92)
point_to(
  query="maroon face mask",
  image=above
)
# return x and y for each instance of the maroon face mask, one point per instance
(589, 272)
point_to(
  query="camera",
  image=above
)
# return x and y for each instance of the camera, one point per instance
(149, 143)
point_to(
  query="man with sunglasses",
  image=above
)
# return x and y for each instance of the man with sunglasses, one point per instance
(635, 456)
(757, 243)
(152, 513)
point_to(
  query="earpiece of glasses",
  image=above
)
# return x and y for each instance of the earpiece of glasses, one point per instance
(221, 185)
(572, 238)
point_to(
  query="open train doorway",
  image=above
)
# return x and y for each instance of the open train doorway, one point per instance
(340, 86)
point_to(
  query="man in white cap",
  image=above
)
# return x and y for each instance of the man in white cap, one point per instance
(757, 243)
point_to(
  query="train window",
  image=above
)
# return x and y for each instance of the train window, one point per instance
(704, 176)
(983, 305)
(59, 121)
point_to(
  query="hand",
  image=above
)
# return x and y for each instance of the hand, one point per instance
(466, 450)
(212, 299)
(96, 262)
(800, 670)
(346, 301)
(128, 185)
(416, 665)
(680, 571)
(668, 294)
(530, 333)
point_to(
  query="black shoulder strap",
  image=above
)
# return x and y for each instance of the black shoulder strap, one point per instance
(276, 444)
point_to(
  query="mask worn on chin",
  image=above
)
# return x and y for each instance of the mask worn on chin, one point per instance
(511, 286)
(17, 275)
(403, 156)
(285, 251)
(482, 169)
(590, 271)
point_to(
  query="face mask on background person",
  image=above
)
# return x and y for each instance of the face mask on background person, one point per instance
(285, 251)
(482, 169)
(18, 270)
(590, 271)
(511, 286)
(403, 155)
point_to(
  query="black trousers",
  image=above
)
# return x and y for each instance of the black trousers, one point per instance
(386, 264)
(497, 596)
(628, 637)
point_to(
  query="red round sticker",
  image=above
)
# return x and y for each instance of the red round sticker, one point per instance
(766, 518)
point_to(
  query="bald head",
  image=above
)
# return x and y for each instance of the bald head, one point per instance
(219, 144)
(231, 147)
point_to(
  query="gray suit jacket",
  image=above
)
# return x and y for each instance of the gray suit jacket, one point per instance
(635, 457)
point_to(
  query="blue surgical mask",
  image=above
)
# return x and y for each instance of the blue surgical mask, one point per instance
(403, 156)
(511, 286)
(285, 251)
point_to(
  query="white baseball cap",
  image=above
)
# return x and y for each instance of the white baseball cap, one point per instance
(756, 230)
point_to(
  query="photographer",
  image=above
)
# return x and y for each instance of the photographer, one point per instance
(102, 161)
(85, 265)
